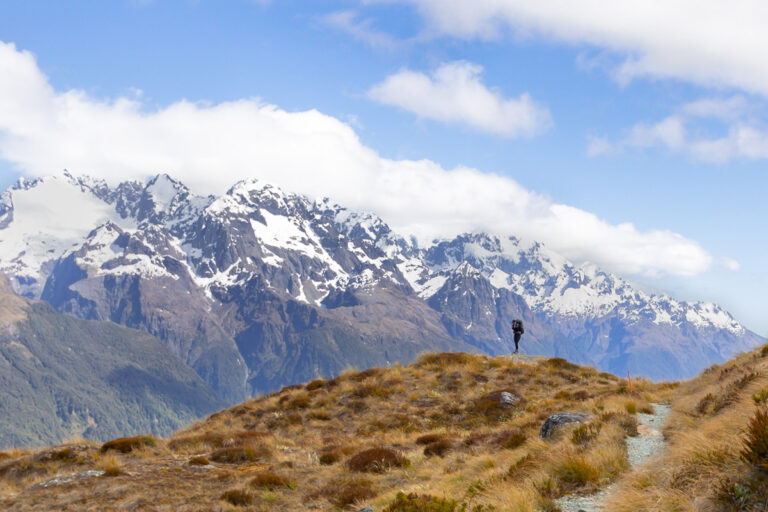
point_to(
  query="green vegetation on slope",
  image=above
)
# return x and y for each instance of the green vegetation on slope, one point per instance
(62, 377)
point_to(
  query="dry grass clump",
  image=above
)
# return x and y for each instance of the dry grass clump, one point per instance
(376, 460)
(270, 481)
(429, 438)
(346, 491)
(438, 448)
(585, 433)
(237, 497)
(239, 454)
(216, 439)
(128, 444)
(420, 502)
(577, 471)
(199, 461)
(755, 451)
(627, 422)
(316, 384)
(111, 466)
(443, 360)
(329, 457)
(560, 363)
(510, 439)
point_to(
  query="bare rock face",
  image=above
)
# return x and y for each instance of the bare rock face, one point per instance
(559, 420)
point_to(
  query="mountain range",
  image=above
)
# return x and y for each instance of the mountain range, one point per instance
(260, 288)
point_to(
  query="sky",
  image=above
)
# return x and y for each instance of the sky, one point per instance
(632, 135)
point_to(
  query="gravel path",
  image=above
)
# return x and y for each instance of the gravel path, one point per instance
(649, 442)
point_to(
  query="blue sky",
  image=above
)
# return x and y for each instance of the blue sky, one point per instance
(703, 187)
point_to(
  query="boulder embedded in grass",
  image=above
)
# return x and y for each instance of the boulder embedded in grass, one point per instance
(560, 419)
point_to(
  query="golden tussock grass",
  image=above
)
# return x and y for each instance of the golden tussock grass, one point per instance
(434, 428)
(704, 466)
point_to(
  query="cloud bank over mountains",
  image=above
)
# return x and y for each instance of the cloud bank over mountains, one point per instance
(210, 146)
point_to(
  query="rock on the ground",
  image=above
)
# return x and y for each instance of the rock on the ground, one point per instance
(558, 420)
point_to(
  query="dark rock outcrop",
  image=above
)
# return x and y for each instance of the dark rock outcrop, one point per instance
(559, 420)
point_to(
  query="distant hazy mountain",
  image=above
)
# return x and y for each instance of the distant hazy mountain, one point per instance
(259, 288)
(62, 377)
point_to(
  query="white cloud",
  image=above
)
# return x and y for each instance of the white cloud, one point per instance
(210, 146)
(361, 29)
(688, 130)
(454, 93)
(709, 42)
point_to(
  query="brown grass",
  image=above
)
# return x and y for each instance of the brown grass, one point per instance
(239, 454)
(360, 438)
(716, 435)
(237, 497)
(376, 460)
(128, 444)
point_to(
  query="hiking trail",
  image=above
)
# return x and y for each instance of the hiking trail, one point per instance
(649, 442)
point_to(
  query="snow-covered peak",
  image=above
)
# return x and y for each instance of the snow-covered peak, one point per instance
(162, 190)
(49, 217)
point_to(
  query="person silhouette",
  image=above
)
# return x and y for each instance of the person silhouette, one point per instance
(517, 329)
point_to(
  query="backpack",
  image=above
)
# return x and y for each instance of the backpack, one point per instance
(516, 324)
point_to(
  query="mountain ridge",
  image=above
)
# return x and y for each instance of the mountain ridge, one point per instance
(269, 277)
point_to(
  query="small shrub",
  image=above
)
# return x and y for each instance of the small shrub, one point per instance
(199, 461)
(299, 402)
(365, 374)
(755, 450)
(563, 395)
(439, 448)
(764, 351)
(331, 456)
(128, 444)
(343, 492)
(371, 389)
(444, 359)
(510, 439)
(646, 409)
(270, 481)
(240, 454)
(429, 438)
(631, 407)
(580, 395)
(560, 363)
(353, 490)
(315, 384)
(376, 460)
(420, 503)
(237, 497)
(476, 438)
(760, 397)
(217, 439)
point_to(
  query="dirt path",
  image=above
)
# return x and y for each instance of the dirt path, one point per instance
(649, 442)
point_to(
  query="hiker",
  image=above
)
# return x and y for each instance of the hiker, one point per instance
(517, 328)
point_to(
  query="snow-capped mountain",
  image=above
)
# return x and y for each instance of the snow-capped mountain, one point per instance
(258, 287)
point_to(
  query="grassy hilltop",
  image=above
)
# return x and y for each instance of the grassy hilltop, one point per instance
(449, 433)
